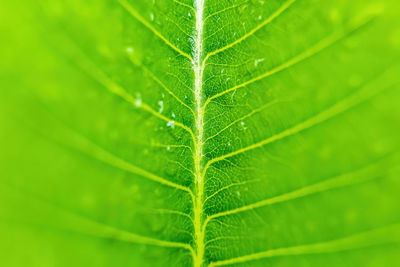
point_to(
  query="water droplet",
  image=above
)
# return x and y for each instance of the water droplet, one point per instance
(189, 15)
(233, 95)
(223, 70)
(243, 124)
(161, 104)
(257, 61)
(151, 16)
(229, 144)
(138, 101)
(238, 193)
(173, 115)
(129, 49)
(168, 148)
(259, 17)
(171, 124)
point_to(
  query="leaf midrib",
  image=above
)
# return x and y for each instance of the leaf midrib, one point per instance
(198, 69)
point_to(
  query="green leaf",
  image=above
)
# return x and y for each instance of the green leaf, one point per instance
(200, 133)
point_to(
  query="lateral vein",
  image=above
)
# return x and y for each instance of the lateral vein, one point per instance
(142, 20)
(157, 80)
(81, 224)
(276, 14)
(255, 111)
(176, 212)
(375, 237)
(224, 10)
(185, 5)
(101, 154)
(226, 188)
(341, 107)
(365, 174)
(317, 48)
(121, 92)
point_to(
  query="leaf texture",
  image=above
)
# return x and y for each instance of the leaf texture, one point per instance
(200, 133)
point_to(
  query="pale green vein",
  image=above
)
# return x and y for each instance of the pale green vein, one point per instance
(101, 154)
(340, 107)
(155, 78)
(172, 20)
(238, 166)
(185, 5)
(224, 10)
(221, 238)
(142, 20)
(227, 187)
(255, 111)
(91, 69)
(229, 65)
(168, 147)
(276, 14)
(179, 80)
(317, 48)
(81, 224)
(97, 74)
(177, 212)
(182, 166)
(376, 237)
(217, 31)
(84, 145)
(121, 92)
(105, 231)
(214, 118)
(347, 179)
(213, 76)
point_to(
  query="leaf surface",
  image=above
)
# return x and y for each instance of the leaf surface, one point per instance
(205, 133)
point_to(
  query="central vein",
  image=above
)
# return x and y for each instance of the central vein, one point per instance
(198, 146)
